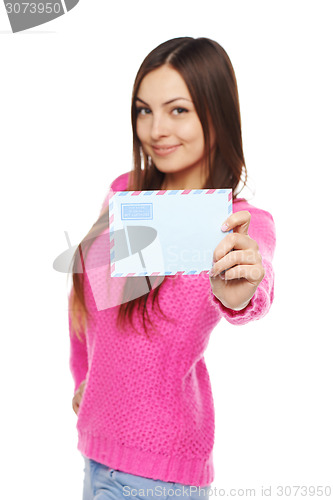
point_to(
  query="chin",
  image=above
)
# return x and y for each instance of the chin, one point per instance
(166, 170)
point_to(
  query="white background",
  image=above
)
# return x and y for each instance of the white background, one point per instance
(65, 92)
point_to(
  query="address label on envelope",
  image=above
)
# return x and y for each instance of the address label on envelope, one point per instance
(162, 233)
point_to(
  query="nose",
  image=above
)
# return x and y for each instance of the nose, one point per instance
(159, 127)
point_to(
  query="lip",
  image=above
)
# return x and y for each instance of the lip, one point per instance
(165, 150)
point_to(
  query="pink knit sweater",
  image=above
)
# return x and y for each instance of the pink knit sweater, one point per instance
(147, 407)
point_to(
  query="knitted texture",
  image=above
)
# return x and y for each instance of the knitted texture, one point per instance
(147, 408)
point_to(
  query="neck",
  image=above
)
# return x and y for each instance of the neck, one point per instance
(186, 183)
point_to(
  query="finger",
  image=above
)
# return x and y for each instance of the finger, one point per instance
(253, 274)
(238, 257)
(238, 222)
(234, 241)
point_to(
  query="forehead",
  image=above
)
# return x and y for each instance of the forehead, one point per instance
(163, 84)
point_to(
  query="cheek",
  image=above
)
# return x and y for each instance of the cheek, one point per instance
(195, 140)
(192, 132)
(141, 131)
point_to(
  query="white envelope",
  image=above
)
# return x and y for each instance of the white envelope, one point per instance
(162, 233)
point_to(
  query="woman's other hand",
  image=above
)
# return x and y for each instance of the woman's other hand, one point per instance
(76, 401)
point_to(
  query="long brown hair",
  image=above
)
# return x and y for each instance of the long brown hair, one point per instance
(210, 78)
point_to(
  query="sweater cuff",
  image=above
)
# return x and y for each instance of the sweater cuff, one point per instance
(257, 308)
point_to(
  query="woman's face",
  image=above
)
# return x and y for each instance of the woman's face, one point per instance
(169, 128)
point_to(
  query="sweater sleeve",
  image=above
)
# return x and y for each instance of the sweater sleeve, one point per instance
(78, 347)
(78, 360)
(262, 230)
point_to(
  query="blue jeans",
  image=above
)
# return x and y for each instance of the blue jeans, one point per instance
(103, 483)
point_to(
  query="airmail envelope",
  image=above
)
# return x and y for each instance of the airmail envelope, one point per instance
(162, 233)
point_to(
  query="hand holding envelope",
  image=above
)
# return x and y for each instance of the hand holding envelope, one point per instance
(241, 269)
(163, 233)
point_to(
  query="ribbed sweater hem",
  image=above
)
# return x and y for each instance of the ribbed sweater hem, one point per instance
(176, 469)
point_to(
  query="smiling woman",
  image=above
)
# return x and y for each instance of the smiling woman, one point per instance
(143, 395)
(169, 129)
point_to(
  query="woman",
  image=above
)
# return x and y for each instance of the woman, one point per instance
(143, 395)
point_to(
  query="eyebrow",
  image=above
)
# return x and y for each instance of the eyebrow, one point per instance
(167, 102)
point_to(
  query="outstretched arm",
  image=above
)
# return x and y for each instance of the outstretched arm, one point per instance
(247, 291)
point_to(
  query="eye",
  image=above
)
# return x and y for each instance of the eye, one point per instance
(179, 111)
(142, 111)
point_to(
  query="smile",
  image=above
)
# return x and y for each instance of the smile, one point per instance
(165, 150)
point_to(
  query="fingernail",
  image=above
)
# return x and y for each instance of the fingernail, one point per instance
(211, 273)
(224, 227)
